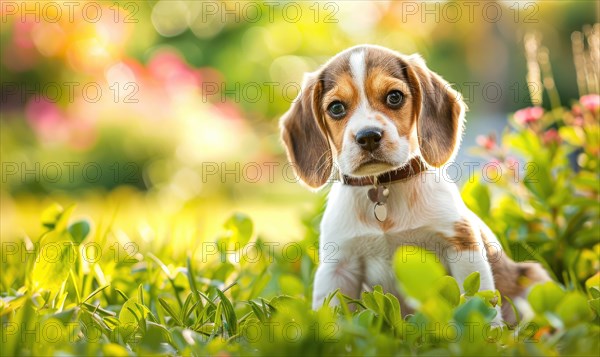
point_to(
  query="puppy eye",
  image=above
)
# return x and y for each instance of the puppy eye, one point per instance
(394, 99)
(337, 110)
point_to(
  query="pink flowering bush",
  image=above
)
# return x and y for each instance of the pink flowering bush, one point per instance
(545, 203)
(528, 115)
(591, 102)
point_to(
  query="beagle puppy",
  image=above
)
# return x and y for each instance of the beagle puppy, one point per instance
(378, 123)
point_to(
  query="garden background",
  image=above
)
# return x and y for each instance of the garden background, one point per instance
(135, 136)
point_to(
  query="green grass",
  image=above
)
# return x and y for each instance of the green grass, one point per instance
(74, 292)
(147, 284)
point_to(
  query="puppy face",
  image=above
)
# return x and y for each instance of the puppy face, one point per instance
(366, 108)
(368, 111)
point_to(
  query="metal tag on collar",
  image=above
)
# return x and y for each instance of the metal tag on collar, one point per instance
(378, 194)
(380, 212)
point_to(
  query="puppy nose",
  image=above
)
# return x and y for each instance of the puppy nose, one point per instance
(369, 139)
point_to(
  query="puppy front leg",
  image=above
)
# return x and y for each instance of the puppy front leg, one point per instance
(464, 262)
(346, 275)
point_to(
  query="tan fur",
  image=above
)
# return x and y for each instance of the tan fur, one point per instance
(440, 119)
(388, 224)
(464, 238)
(512, 279)
(378, 84)
(421, 210)
(346, 92)
(361, 216)
(307, 148)
(428, 103)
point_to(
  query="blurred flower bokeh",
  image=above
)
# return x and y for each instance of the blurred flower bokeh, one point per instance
(163, 107)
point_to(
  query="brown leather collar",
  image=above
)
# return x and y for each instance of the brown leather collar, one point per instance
(414, 167)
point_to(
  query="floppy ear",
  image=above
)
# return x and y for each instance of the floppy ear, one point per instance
(306, 145)
(440, 114)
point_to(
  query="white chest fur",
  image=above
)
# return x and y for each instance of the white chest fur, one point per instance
(418, 203)
(357, 249)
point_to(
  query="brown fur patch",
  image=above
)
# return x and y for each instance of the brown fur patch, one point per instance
(440, 124)
(305, 143)
(388, 224)
(505, 271)
(346, 92)
(464, 237)
(414, 193)
(378, 84)
(511, 279)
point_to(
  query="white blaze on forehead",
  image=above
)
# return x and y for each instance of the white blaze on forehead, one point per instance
(359, 72)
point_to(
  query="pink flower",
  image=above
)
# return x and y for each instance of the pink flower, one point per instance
(42, 114)
(529, 115)
(577, 115)
(591, 102)
(169, 67)
(487, 142)
(551, 136)
(47, 119)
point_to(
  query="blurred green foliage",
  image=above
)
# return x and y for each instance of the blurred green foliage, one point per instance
(186, 82)
(541, 197)
(147, 276)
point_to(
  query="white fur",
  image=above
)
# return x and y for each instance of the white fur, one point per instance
(354, 248)
(358, 68)
(364, 117)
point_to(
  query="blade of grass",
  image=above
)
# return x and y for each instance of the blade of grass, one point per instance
(228, 287)
(94, 293)
(229, 313)
(138, 320)
(93, 308)
(75, 286)
(167, 272)
(258, 312)
(170, 311)
(212, 303)
(185, 307)
(192, 280)
(123, 295)
(141, 294)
